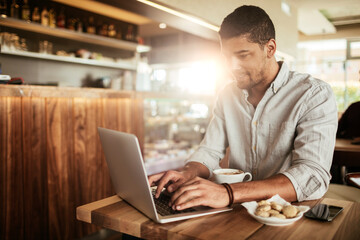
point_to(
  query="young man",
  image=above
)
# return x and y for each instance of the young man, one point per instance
(279, 125)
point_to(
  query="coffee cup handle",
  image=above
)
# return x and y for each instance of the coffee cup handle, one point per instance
(250, 176)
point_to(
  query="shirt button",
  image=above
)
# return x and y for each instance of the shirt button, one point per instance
(254, 147)
(255, 123)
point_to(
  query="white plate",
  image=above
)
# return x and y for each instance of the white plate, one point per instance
(274, 221)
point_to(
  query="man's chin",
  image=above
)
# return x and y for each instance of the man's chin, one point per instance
(241, 85)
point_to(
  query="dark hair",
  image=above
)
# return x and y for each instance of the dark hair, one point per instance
(248, 20)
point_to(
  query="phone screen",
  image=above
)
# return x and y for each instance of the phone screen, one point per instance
(323, 212)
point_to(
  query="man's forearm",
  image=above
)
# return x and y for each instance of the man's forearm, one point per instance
(195, 169)
(264, 189)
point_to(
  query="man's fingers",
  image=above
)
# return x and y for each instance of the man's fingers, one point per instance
(154, 178)
(168, 177)
(197, 201)
(174, 186)
(184, 193)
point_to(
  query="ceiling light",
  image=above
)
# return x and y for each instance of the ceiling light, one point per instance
(181, 15)
(286, 8)
(162, 25)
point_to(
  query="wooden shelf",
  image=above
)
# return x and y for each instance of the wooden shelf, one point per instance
(72, 35)
(118, 65)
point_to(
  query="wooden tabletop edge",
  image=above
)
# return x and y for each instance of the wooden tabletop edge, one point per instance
(83, 213)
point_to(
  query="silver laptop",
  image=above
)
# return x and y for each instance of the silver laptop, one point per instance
(129, 178)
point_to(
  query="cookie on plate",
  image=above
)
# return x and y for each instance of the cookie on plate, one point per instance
(290, 211)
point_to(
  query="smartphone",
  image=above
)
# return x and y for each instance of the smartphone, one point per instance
(323, 212)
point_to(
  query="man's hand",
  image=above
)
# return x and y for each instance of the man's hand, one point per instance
(171, 180)
(199, 191)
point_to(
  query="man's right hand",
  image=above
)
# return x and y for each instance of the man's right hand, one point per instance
(171, 180)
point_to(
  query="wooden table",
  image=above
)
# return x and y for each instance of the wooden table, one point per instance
(346, 154)
(116, 214)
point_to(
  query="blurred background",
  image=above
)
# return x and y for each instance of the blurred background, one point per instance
(162, 58)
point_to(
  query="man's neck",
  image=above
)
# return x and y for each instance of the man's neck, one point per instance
(257, 92)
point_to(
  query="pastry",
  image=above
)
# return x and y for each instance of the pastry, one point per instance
(276, 206)
(273, 212)
(263, 202)
(290, 211)
(264, 208)
(281, 216)
(262, 213)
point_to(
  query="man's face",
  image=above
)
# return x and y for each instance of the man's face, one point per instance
(245, 60)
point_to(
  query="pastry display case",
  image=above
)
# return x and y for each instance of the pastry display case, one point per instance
(174, 127)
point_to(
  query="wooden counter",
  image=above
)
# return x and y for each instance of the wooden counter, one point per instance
(346, 154)
(113, 213)
(51, 159)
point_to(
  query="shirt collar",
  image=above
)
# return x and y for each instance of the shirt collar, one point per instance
(280, 77)
(278, 81)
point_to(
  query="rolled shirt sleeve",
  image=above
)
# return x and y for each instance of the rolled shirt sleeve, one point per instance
(314, 144)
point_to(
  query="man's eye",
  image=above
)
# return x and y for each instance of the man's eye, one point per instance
(242, 56)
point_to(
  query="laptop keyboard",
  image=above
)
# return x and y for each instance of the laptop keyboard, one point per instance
(163, 208)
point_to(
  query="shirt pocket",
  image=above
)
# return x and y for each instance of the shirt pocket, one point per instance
(278, 137)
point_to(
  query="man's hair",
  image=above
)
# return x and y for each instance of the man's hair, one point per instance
(250, 21)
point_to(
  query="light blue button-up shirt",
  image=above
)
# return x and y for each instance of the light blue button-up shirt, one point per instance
(291, 131)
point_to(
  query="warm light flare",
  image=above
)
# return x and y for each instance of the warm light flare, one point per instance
(199, 77)
(182, 15)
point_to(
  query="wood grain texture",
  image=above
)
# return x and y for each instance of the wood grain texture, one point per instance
(126, 119)
(13, 202)
(3, 172)
(60, 168)
(61, 92)
(51, 158)
(35, 171)
(83, 213)
(352, 219)
(124, 218)
(138, 121)
(237, 224)
(111, 120)
(87, 160)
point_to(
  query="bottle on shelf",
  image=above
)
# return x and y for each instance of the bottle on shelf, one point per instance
(130, 33)
(91, 26)
(112, 31)
(3, 8)
(14, 9)
(25, 11)
(52, 18)
(104, 30)
(119, 35)
(71, 25)
(36, 15)
(79, 25)
(60, 23)
(45, 17)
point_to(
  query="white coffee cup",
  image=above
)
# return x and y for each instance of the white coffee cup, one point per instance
(230, 175)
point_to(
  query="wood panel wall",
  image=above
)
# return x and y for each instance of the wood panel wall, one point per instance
(51, 161)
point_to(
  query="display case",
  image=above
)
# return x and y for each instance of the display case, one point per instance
(173, 128)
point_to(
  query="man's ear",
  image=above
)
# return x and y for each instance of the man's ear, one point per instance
(270, 48)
